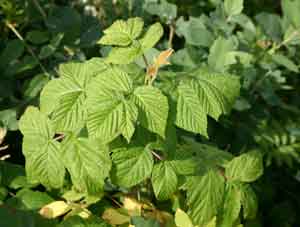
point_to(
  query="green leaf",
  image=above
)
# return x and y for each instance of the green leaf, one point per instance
(128, 54)
(87, 163)
(12, 175)
(182, 219)
(164, 180)
(76, 221)
(110, 113)
(286, 62)
(165, 10)
(291, 11)
(131, 166)
(219, 54)
(153, 108)
(202, 37)
(232, 205)
(64, 98)
(245, 168)
(142, 222)
(206, 94)
(37, 37)
(204, 196)
(33, 200)
(249, 202)
(122, 33)
(42, 153)
(13, 50)
(233, 7)
(152, 36)
(125, 55)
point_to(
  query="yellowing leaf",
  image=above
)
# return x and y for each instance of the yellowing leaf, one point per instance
(114, 217)
(133, 207)
(163, 57)
(55, 209)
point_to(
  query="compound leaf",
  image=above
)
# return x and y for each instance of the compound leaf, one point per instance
(122, 33)
(207, 94)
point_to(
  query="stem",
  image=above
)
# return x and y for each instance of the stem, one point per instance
(4, 157)
(287, 40)
(59, 137)
(40, 9)
(145, 60)
(3, 148)
(157, 156)
(12, 28)
(171, 35)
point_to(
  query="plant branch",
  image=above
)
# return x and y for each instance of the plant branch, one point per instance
(40, 9)
(171, 34)
(14, 30)
(3, 148)
(156, 155)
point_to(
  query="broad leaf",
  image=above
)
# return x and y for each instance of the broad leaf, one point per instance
(233, 7)
(194, 32)
(125, 55)
(164, 180)
(110, 113)
(245, 168)
(122, 33)
(128, 54)
(232, 205)
(182, 219)
(154, 108)
(220, 56)
(43, 156)
(291, 11)
(64, 98)
(87, 162)
(207, 94)
(204, 196)
(132, 166)
(249, 202)
(152, 36)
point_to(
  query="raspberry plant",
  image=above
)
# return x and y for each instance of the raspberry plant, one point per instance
(108, 123)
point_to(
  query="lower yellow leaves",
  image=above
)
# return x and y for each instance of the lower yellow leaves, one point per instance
(55, 209)
(114, 217)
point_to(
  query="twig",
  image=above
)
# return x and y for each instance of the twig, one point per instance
(59, 137)
(171, 35)
(145, 60)
(40, 9)
(157, 156)
(4, 157)
(3, 148)
(12, 28)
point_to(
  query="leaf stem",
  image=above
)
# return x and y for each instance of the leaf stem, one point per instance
(156, 155)
(19, 36)
(171, 34)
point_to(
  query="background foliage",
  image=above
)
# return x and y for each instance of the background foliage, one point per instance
(257, 41)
